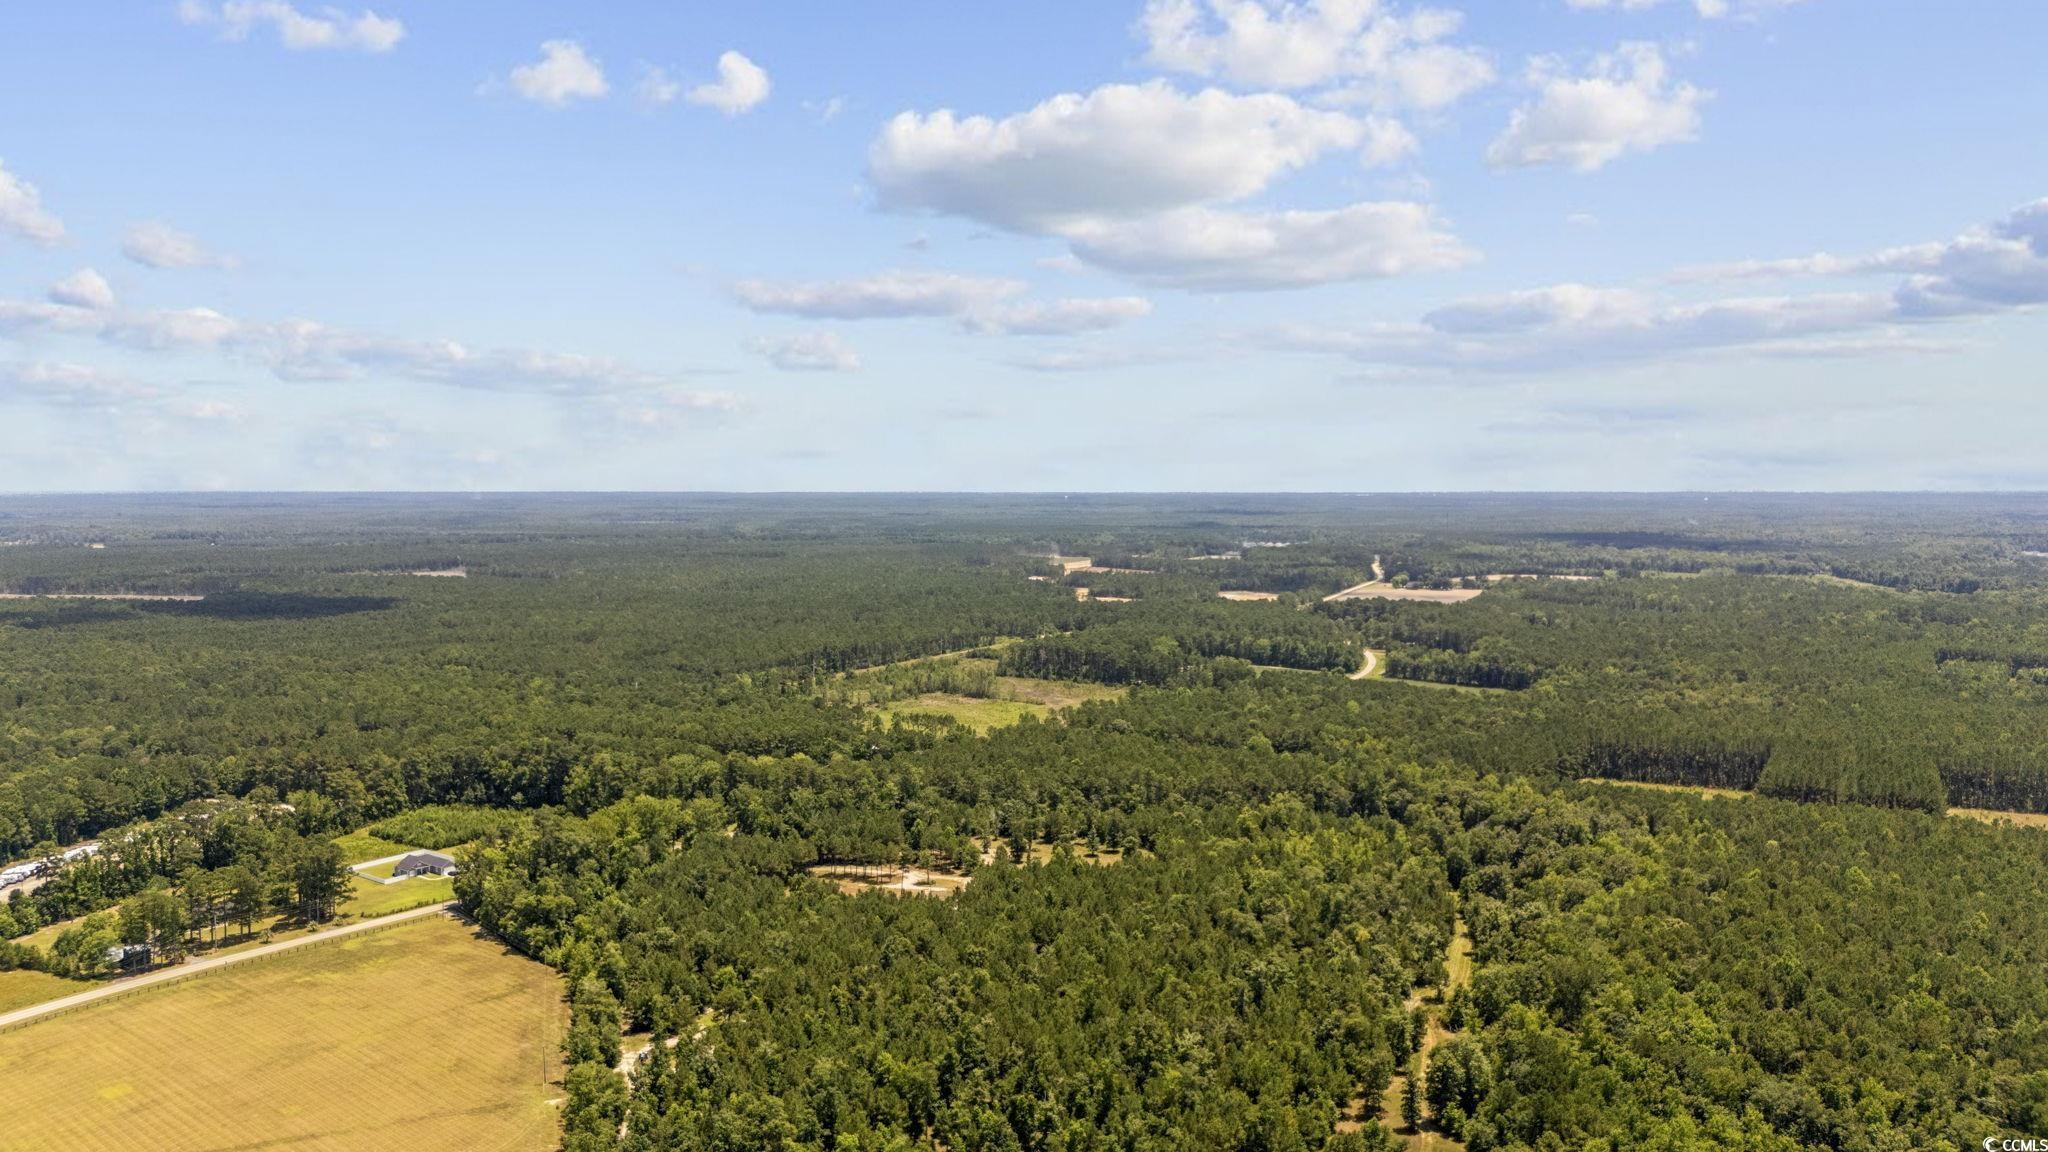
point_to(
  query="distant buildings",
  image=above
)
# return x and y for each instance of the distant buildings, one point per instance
(28, 870)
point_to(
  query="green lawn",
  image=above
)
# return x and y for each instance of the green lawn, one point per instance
(373, 899)
(976, 714)
(23, 988)
(357, 847)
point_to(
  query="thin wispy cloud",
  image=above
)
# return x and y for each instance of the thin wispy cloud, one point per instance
(329, 29)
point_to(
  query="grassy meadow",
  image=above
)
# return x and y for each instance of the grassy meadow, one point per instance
(422, 1036)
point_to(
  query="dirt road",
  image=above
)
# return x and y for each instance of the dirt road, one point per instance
(1372, 661)
(1379, 577)
(164, 976)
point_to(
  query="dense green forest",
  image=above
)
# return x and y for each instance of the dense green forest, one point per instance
(1192, 915)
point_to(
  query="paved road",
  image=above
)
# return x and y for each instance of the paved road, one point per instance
(195, 967)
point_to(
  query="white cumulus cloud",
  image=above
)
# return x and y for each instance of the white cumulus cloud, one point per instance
(1057, 317)
(1215, 250)
(1390, 57)
(742, 86)
(563, 74)
(1997, 269)
(1134, 178)
(22, 213)
(84, 288)
(155, 245)
(329, 28)
(1120, 151)
(1627, 102)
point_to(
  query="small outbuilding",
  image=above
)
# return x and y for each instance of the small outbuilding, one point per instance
(424, 864)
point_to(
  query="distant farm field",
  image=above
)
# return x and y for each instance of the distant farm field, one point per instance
(422, 1036)
(1425, 595)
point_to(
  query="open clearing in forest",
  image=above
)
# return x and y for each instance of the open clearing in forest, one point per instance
(1017, 698)
(1021, 698)
(1044, 851)
(2021, 819)
(424, 1035)
(897, 880)
(1235, 594)
(1691, 789)
(1376, 591)
(1433, 1002)
(1982, 815)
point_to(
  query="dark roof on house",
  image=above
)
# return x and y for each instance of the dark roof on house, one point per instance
(423, 861)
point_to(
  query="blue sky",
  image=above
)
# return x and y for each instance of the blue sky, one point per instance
(1144, 244)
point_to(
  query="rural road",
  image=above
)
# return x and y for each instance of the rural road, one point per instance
(1372, 661)
(166, 975)
(1379, 577)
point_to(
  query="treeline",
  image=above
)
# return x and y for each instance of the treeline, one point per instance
(225, 858)
(1645, 759)
(447, 825)
(1447, 667)
(1140, 654)
(374, 689)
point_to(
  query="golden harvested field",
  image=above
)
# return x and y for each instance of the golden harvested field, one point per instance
(1427, 595)
(2020, 819)
(423, 1036)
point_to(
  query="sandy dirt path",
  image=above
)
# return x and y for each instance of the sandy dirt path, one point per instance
(1372, 661)
(164, 976)
(1379, 577)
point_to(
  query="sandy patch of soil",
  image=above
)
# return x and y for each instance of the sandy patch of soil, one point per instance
(1235, 594)
(854, 879)
(2020, 819)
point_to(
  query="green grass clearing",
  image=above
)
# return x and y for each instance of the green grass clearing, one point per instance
(369, 898)
(359, 846)
(21, 988)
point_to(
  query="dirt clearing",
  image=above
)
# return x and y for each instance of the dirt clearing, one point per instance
(897, 880)
(1390, 592)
